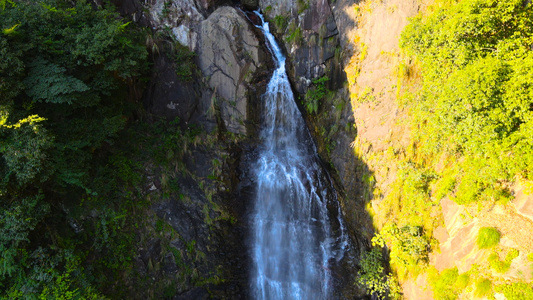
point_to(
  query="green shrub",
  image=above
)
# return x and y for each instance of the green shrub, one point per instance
(295, 36)
(502, 266)
(483, 288)
(372, 274)
(497, 265)
(516, 290)
(512, 254)
(487, 237)
(444, 284)
(463, 280)
(373, 278)
(315, 93)
(281, 22)
(409, 247)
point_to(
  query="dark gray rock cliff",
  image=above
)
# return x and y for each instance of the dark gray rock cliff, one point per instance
(203, 249)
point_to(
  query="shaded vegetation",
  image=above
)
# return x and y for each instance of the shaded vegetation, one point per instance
(66, 72)
(315, 94)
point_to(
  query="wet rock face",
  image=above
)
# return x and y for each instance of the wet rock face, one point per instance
(233, 68)
(310, 36)
(170, 97)
(250, 4)
(230, 56)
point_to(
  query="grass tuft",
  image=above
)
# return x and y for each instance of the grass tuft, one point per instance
(488, 237)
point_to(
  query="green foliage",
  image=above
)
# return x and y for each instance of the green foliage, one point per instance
(483, 288)
(52, 275)
(516, 290)
(166, 8)
(66, 285)
(408, 247)
(445, 184)
(281, 22)
(497, 265)
(73, 67)
(315, 93)
(17, 221)
(295, 35)
(302, 5)
(409, 201)
(475, 55)
(24, 150)
(48, 82)
(65, 71)
(512, 254)
(372, 275)
(184, 61)
(372, 272)
(487, 237)
(502, 266)
(448, 284)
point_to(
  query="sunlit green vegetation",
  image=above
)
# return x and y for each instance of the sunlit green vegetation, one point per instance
(409, 248)
(448, 284)
(373, 277)
(469, 99)
(516, 290)
(483, 287)
(487, 237)
(502, 266)
(477, 93)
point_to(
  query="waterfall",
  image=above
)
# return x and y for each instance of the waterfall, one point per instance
(297, 233)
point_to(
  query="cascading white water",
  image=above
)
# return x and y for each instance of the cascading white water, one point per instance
(295, 238)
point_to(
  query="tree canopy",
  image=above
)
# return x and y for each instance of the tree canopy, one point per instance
(477, 103)
(65, 70)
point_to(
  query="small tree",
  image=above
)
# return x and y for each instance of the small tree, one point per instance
(372, 276)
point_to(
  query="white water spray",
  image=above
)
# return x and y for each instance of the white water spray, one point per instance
(295, 238)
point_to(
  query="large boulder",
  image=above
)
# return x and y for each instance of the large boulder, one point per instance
(233, 60)
(182, 17)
